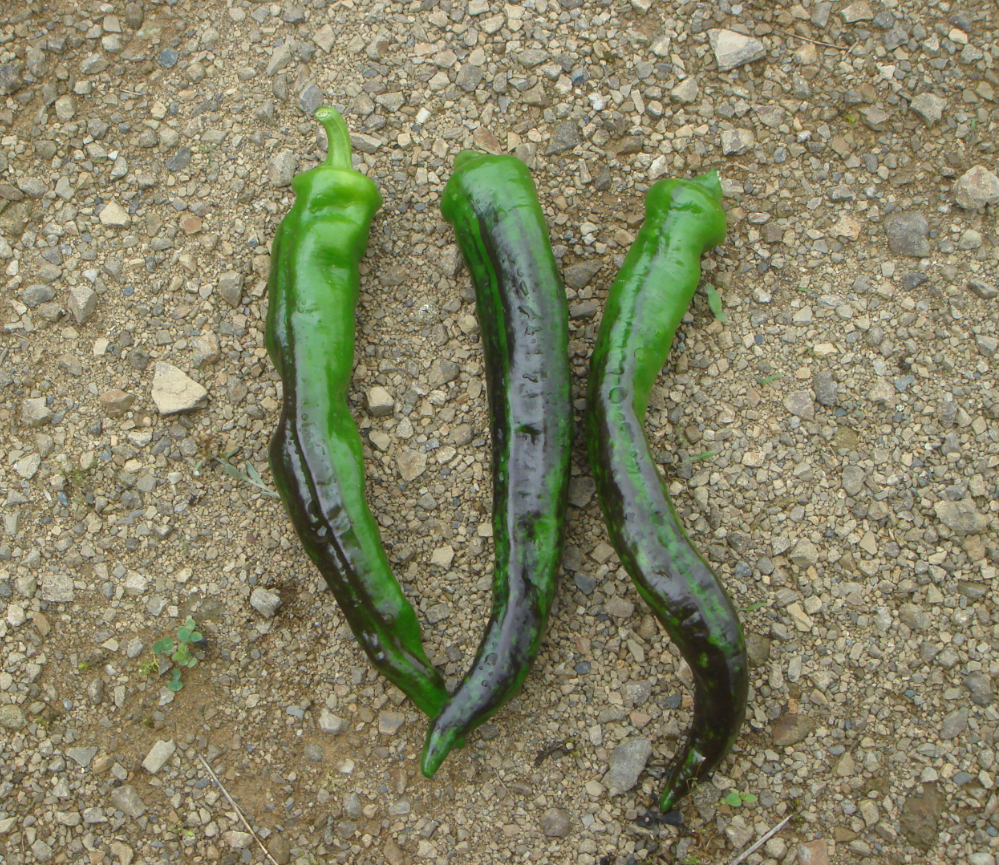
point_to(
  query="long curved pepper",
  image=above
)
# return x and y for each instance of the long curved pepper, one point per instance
(315, 455)
(521, 305)
(644, 308)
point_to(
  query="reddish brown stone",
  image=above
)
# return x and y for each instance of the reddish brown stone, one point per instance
(791, 729)
(921, 815)
(116, 402)
(814, 853)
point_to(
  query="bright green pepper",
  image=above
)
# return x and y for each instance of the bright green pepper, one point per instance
(646, 303)
(315, 454)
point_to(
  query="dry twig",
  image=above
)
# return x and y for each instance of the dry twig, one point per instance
(745, 853)
(813, 41)
(237, 809)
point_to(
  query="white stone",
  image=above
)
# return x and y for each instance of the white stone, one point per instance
(685, 92)
(442, 556)
(929, 107)
(115, 215)
(734, 49)
(135, 583)
(57, 588)
(325, 38)
(82, 302)
(281, 57)
(158, 755)
(35, 413)
(265, 602)
(411, 463)
(174, 392)
(859, 11)
(380, 402)
(661, 45)
(237, 840)
(846, 227)
(65, 108)
(390, 721)
(28, 466)
(977, 187)
(332, 724)
(380, 440)
(736, 141)
(802, 621)
(364, 143)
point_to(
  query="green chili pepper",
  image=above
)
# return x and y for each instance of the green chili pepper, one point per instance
(315, 454)
(644, 308)
(520, 301)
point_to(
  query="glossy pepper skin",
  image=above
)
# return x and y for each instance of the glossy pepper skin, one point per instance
(521, 306)
(645, 305)
(315, 454)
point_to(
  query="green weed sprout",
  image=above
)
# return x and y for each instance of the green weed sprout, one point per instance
(735, 799)
(715, 303)
(180, 652)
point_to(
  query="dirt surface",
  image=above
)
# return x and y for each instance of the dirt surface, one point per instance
(832, 446)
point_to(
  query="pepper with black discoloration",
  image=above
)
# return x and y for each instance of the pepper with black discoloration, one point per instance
(521, 305)
(644, 308)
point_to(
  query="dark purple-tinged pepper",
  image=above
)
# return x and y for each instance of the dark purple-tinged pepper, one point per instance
(521, 305)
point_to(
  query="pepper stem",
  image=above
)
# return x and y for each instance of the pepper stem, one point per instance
(338, 138)
(710, 181)
(464, 157)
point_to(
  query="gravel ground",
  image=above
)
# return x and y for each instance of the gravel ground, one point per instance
(833, 445)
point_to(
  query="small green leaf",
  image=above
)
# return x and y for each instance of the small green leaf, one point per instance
(164, 646)
(714, 301)
(733, 799)
(184, 635)
(175, 684)
(232, 471)
(190, 624)
(749, 798)
(752, 608)
(252, 477)
(769, 378)
(705, 455)
(196, 637)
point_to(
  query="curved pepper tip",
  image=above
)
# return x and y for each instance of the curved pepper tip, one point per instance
(438, 745)
(682, 775)
(675, 793)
